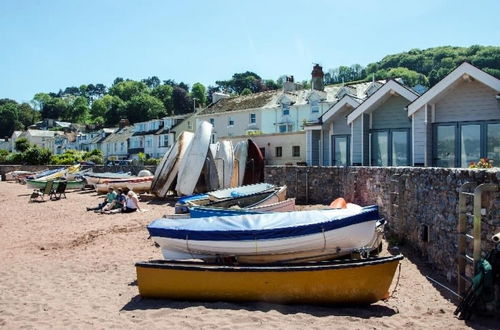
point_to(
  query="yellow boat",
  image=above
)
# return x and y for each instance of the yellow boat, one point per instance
(334, 282)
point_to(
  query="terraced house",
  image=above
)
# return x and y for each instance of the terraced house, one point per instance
(454, 123)
(277, 120)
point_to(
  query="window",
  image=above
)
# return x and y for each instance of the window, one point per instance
(122, 146)
(164, 142)
(190, 126)
(149, 143)
(253, 118)
(140, 143)
(314, 107)
(296, 151)
(390, 147)
(286, 109)
(230, 121)
(285, 128)
(279, 151)
(212, 121)
(340, 152)
(459, 144)
(213, 138)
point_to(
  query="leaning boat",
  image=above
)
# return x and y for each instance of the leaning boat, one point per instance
(334, 282)
(270, 237)
(266, 197)
(254, 169)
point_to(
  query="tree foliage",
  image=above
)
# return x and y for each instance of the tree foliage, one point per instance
(15, 116)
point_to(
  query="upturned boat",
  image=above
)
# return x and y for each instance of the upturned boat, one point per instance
(270, 237)
(70, 184)
(136, 184)
(207, 211)
(334, 282)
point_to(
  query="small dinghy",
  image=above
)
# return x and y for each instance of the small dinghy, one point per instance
(207, 211)
(95, 178)
(136, 184)
(240, 155)
(70, 184)
(270, 237)
(224, 160)
(254, 169)
(334, 282)
(266, 197)
(202, 199)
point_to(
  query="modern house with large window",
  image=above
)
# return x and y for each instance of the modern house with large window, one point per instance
(457, 121)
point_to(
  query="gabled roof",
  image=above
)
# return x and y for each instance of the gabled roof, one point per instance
(121, 135)
(448, 81)
(380, 95)
(345, 100)
(41, 133)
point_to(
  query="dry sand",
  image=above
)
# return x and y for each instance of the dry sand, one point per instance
(63, 267)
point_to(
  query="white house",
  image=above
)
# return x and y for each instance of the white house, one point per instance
(41, 138)
(116, 145)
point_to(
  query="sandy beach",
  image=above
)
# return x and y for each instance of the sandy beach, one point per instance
(64, 267)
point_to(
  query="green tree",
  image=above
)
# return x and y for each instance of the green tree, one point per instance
(27, 115)
(144, 107)
(78, 110)
(126, 90)
(164, 94)
(55, 108)
(246, 91)
(22, 144)
(9, 119)
(181, 100)
(199, 92)
(35, 155)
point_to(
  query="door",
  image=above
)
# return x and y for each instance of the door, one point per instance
(445, 146)
(400, 148)
(380, 148)
(340, 150)
(470, 144)
(493, 143)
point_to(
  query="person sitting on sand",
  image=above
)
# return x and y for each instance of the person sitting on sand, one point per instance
(118, 204)
(108, 199)
(132, 203)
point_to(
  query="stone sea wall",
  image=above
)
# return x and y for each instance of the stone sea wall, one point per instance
(421, 204)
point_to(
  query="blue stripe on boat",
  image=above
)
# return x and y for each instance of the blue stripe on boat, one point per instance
(157, 230)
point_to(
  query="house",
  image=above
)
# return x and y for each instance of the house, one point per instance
(381, 132)
(99, 136)
(15, 135)
(83, 140)
(41, 138)
(277, 120)
(142, 140)
(5, 144)
(457, 121)
(52, 124)
(115, 146)
(63, 141)
(165, 137)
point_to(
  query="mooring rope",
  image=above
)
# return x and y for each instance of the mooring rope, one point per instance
(397, 282)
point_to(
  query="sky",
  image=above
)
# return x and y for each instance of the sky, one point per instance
(47, 45)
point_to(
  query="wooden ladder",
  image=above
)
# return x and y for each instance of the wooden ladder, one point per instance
(463, 236)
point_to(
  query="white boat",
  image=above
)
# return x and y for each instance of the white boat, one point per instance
(224, 161)
(209, 179)
(168, 169)
(240, 154)
(265, 197)
(270, 237)
(208, 211)
(287, 205)
(193, 160)
(95, 178)
(136, 184)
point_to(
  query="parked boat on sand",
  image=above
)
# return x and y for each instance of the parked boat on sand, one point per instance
(334, 282)
(137, 184)
(70, 184)
(207, 211)
(270, 237)
(95, 178)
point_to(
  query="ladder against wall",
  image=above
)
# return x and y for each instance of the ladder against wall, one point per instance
(467, 191)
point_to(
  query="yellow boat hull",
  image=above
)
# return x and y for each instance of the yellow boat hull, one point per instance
(334, 282)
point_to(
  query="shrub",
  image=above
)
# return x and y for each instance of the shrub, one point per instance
(22, 144)
(3, 155)
(37, 156)
(152, 161)
(15, 158)
(482, 163)
(95, 159)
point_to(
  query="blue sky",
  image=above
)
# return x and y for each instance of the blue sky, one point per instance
(51, 44)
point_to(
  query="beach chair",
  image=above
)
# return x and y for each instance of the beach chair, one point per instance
(60, 191)
(36, 194)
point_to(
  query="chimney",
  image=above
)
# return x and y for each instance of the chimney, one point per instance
(217, 96)
(289, 84)
(123, 123)
(317, 78)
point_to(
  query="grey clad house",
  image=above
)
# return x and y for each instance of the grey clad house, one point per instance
(457, 121)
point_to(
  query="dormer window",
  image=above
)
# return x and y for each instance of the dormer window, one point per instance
(230, 121)
(314, 107)
(212, 121)
(253, 118)
(286, 109)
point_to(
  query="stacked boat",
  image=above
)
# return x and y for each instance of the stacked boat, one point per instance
(229, 247)
(194, 165)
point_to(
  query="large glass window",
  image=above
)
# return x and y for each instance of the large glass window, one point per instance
(445, 146)
(286, 109)
(400, 148)
(340, 150)
(493, 143)
(470, 144)
(380, 148)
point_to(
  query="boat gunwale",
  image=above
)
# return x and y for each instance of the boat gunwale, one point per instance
(316, 266)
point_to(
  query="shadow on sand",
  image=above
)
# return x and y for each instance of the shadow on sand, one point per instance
(362, 311)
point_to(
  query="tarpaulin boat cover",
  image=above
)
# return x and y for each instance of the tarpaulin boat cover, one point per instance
(261, 226)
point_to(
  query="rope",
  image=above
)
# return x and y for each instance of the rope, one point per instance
(397, 282)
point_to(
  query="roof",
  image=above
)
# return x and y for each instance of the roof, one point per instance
(41, 133)
(464, 69)
(380, 95)
(63, 123)
(345, 100)
(271, 99)
(120, 135)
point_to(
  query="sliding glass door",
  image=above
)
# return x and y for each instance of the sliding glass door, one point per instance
(341, 150)
(470, 144)
(445, 146)
(493, 143)
(380, 148)
(400, 148)
(390, 147)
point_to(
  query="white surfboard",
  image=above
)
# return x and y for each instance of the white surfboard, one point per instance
(194, 159)
(172, 163)
(240, 154)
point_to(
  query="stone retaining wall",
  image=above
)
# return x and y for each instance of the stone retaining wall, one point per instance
(427, 200)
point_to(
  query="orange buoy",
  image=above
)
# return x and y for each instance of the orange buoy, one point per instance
(339, 203)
